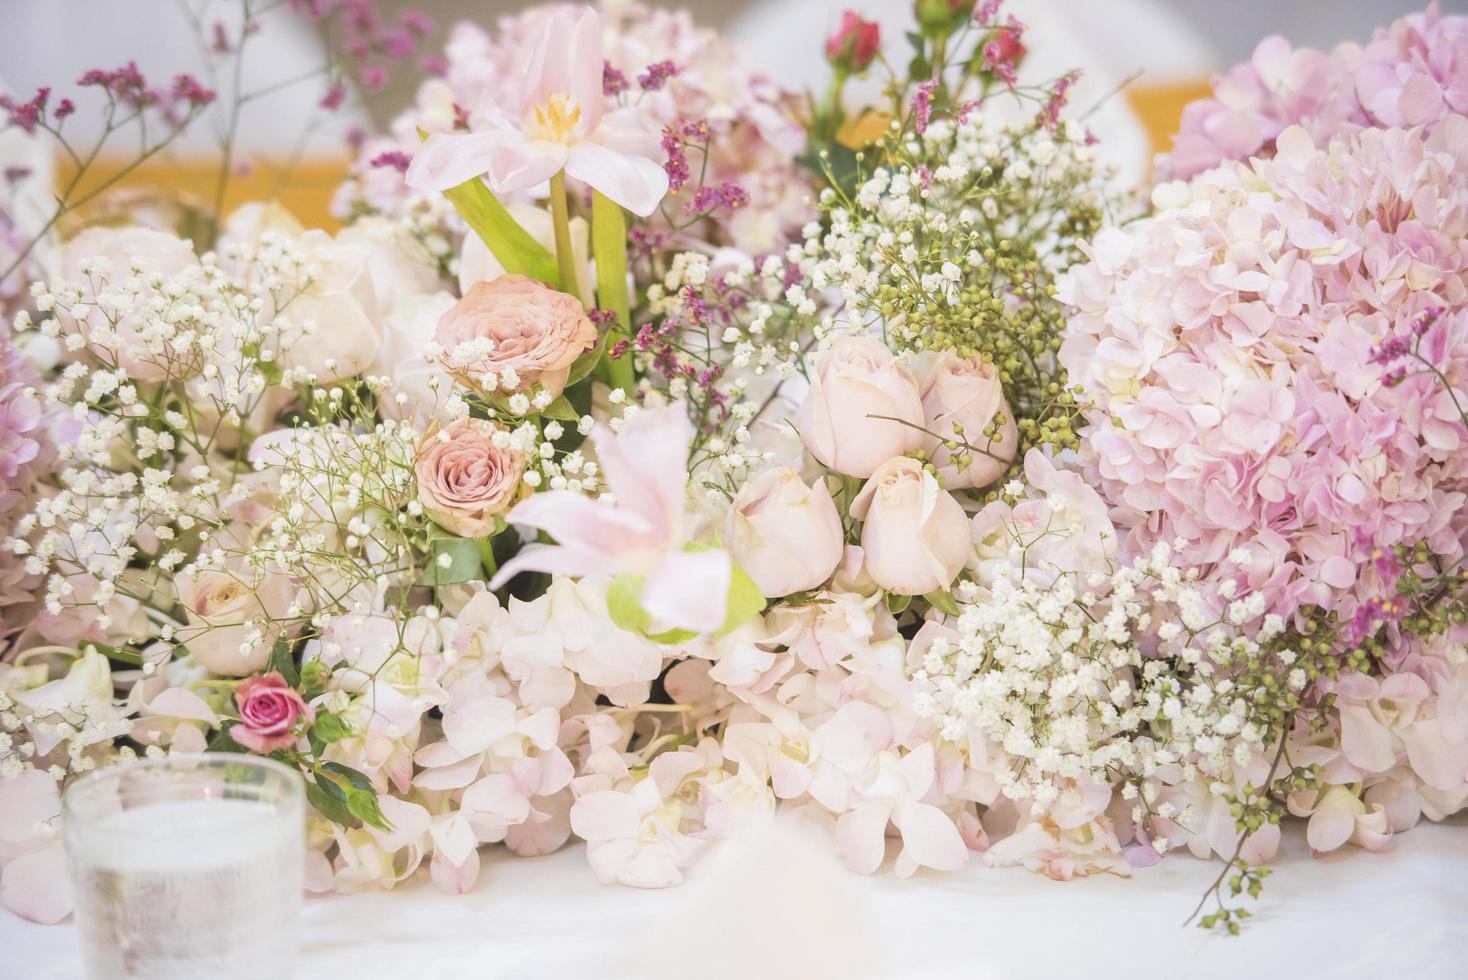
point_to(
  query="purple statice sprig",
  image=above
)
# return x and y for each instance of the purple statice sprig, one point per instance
(655, 76)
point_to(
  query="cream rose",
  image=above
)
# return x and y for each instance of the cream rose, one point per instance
(856, 389)
(914, 536)
(464, 479)
(519, 326)
(231, 615)
(786, 535)
(962, 398)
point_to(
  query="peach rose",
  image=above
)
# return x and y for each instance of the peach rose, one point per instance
(915, 536)
(531, 329)
(464, 479)
(962, 397)
(857, 389)
(786, 535)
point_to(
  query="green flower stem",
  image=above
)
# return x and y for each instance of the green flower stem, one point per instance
(609, 245)
(561, 216)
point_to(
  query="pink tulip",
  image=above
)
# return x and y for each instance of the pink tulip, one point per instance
(562, 126)
(646, 469)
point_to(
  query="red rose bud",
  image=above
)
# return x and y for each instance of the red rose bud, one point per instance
(853, 47)
(1008, 48)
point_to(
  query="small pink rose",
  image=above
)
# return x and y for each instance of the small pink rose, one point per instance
(465, 478)
(269, 710)
(514, 324)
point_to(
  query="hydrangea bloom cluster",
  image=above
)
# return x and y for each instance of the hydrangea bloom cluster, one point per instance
(1413, 73)
(722, 119)
(1225, 350)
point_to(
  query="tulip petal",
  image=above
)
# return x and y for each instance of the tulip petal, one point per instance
(635, 182)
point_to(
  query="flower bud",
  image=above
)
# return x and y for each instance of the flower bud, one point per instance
(855, 44)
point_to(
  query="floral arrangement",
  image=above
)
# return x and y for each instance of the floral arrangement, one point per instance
(563, 493)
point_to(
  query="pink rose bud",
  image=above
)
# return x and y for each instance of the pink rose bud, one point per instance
(914, 535)
(1007, 48)
(863, 407)
(785, 534)
(853, 47)
(269, 710)
(964, 403)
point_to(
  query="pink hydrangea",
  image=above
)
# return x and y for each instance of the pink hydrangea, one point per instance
(1225, 347)
(679, 75)
(1413, 73)
(25, 453)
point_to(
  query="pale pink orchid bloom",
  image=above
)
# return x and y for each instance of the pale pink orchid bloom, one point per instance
(645, 467)
(563, 125)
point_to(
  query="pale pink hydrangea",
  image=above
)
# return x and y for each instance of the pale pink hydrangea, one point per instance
(1225, 349)
(754, 133)
(1413, 73)
(26, 452)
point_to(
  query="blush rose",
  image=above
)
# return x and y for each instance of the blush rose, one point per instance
(514, 324)
(468, 473)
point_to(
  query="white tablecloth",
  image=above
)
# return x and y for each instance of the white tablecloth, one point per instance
(1403, 913)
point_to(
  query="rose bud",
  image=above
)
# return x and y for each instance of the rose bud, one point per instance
(915, 537)
(963, 401)
(786, 535)
(853, 47)
(862, 409)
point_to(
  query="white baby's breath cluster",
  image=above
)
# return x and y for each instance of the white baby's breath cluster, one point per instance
(1121, 679)
(166, 374)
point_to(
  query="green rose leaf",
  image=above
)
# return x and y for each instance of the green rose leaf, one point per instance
(451, 561)
(283, 662)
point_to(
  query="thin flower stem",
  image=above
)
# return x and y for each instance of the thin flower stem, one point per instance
(561, 216)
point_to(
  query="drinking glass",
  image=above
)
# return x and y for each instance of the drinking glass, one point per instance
(187, 867)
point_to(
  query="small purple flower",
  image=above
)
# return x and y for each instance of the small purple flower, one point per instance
(656, 76)
(396, 159)
(922, 105)
(613, 82)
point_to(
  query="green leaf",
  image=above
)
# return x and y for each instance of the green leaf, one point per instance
(463, 564)
(330, 728)
(222, 742)
(362, 804)
(943, 602)
(624, 603)
(897, 604)
(561, 410)
(609, 248)
(745, 599)
(327, 803)
(353, 777)
(283, 662)
(516, 250)
(587, 362)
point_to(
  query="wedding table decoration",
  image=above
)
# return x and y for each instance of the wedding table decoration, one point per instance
(655, 449)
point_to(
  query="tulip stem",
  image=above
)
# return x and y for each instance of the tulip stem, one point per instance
(561, 215)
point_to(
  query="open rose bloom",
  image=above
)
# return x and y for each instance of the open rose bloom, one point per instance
(631, 469)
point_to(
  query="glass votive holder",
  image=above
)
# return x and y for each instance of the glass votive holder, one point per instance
(188, 866)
